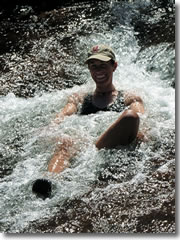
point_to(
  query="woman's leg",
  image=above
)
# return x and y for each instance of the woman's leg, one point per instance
(64, 152)
(60, 160)
(122, 132)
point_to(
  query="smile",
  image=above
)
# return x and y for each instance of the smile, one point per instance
(101, 77)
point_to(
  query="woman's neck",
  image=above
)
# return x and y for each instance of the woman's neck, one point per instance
(103, 98)
(103, 91)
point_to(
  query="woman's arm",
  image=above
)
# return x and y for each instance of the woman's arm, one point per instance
(70, 108)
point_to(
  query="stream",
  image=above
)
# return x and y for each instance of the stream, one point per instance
(126, 190)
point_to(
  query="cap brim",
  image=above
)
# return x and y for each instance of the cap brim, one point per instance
(99, 57)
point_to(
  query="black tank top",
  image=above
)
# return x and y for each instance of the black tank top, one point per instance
(87, 106)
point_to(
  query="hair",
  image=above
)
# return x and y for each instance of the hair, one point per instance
(112, 61)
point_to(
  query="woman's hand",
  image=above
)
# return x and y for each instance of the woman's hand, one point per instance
(134, 102)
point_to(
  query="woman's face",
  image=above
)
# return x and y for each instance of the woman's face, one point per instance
(101, 71)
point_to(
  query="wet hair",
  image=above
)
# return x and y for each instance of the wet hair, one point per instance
(112, 61)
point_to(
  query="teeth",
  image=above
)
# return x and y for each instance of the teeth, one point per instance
(101, 76)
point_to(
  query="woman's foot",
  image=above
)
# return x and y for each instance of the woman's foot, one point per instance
(42, 188)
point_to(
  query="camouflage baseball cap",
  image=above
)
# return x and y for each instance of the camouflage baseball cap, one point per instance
(101, 52)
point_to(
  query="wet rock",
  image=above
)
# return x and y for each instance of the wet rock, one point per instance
(39, 6)
(153, 34)
(24, 70)
(162, 30)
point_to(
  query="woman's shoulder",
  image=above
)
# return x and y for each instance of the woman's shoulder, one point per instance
(78, 97)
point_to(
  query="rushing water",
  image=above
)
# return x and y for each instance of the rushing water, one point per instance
(26, 145)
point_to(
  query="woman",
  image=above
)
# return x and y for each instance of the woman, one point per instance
(101, 63)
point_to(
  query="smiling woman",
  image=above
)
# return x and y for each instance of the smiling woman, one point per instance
(101, 64)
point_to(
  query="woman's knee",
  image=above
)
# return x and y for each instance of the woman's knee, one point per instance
(130, 123)
(129, 118)
(130, 114)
